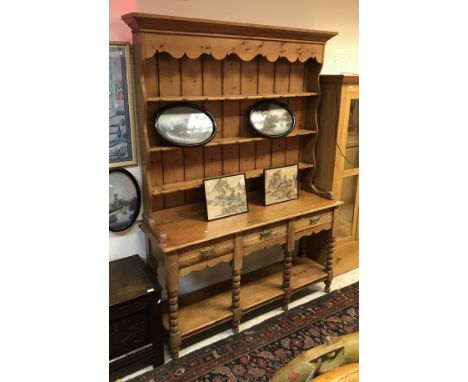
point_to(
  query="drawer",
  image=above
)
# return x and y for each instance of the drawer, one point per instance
(206, 251)
(312, 220)
(266, 233)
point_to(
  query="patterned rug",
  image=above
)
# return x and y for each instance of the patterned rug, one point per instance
(257, 353)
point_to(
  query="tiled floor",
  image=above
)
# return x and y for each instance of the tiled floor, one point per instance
(316, 291)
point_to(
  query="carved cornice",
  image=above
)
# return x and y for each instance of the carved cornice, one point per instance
(194, 37)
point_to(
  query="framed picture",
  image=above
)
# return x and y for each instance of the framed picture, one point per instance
(122, 143)
(225, 196)
(272, 118)
(124, 199)
(185, 124)
(281, 184)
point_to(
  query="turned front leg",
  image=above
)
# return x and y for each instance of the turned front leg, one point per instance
(172, 285)
(287, 278)
(329, 262)
(288, 255)
(236, 266)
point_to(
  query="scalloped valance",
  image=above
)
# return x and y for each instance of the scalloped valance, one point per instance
(246, 49)
(194, 37)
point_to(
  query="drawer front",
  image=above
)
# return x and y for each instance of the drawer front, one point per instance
(266, 233)
(313, 220)
(129, 333)
(206, 251)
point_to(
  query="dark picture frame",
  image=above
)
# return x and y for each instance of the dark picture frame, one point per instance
(276, 172)
(122, 121)
(218, 195)
(264, 107)
(164, 133)
(124, 199)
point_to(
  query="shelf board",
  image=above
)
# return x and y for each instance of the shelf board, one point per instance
(230, 97)
(234, 140)
(205, 307)
(195, 183)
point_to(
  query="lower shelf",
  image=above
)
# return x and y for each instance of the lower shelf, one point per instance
(211, 306)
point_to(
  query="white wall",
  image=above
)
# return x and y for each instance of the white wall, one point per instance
(341, 56)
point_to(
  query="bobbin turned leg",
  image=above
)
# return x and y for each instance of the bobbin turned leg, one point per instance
(287, 278)
(236, 300)
(329, 263)
(236, 267)
(172, 285)
(288, 254)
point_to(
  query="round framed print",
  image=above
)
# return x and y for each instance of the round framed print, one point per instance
(272, 118)
(185, 124)
(124, 199)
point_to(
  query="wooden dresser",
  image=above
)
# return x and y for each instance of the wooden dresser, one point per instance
(226, 68)
(135, 324)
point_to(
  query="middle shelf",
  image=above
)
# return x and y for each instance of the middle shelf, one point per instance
(234, 140)
(195, 183)
(205, 307)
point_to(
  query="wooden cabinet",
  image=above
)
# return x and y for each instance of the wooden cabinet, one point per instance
(338, 161)
(135, 323)
(226, 68)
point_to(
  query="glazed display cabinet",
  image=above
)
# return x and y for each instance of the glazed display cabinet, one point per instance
(226, 68)
(338, 161)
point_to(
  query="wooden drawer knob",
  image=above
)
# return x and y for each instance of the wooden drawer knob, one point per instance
(314, 219)
(265, 234)
(207, 251)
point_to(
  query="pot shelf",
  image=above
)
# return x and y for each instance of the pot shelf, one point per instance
(195, 183)
(234, 140)
(230, 97)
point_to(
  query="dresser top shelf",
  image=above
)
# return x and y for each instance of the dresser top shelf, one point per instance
(188, 231)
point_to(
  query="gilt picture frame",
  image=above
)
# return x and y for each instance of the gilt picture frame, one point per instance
(281, 184)
(122, 121)
(225, 196)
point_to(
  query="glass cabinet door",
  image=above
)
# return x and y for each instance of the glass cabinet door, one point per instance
(352, 141)
(345, 222)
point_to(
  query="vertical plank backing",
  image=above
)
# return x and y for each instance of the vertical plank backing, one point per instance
(265, 76)
(296, 77)
(281, 84)
(265, 82)
(156, 176)
(278, 147)
(213, 161)
(231, 111)
(292, 150)
(169, 75)
(212, 86)
(151, 77)
(173, 165)
(247, 156)
(191, 71)
(249, 77)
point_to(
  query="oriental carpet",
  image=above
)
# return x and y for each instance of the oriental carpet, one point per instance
(257, 353)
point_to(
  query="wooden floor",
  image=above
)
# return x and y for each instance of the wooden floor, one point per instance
(260, 287)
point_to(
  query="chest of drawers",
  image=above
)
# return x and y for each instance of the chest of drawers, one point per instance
(135, 322)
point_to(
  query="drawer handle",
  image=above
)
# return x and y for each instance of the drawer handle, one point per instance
(265, 234)
(314, 219)
(207, 251)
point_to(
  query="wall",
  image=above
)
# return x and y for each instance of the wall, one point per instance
(341, 56)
